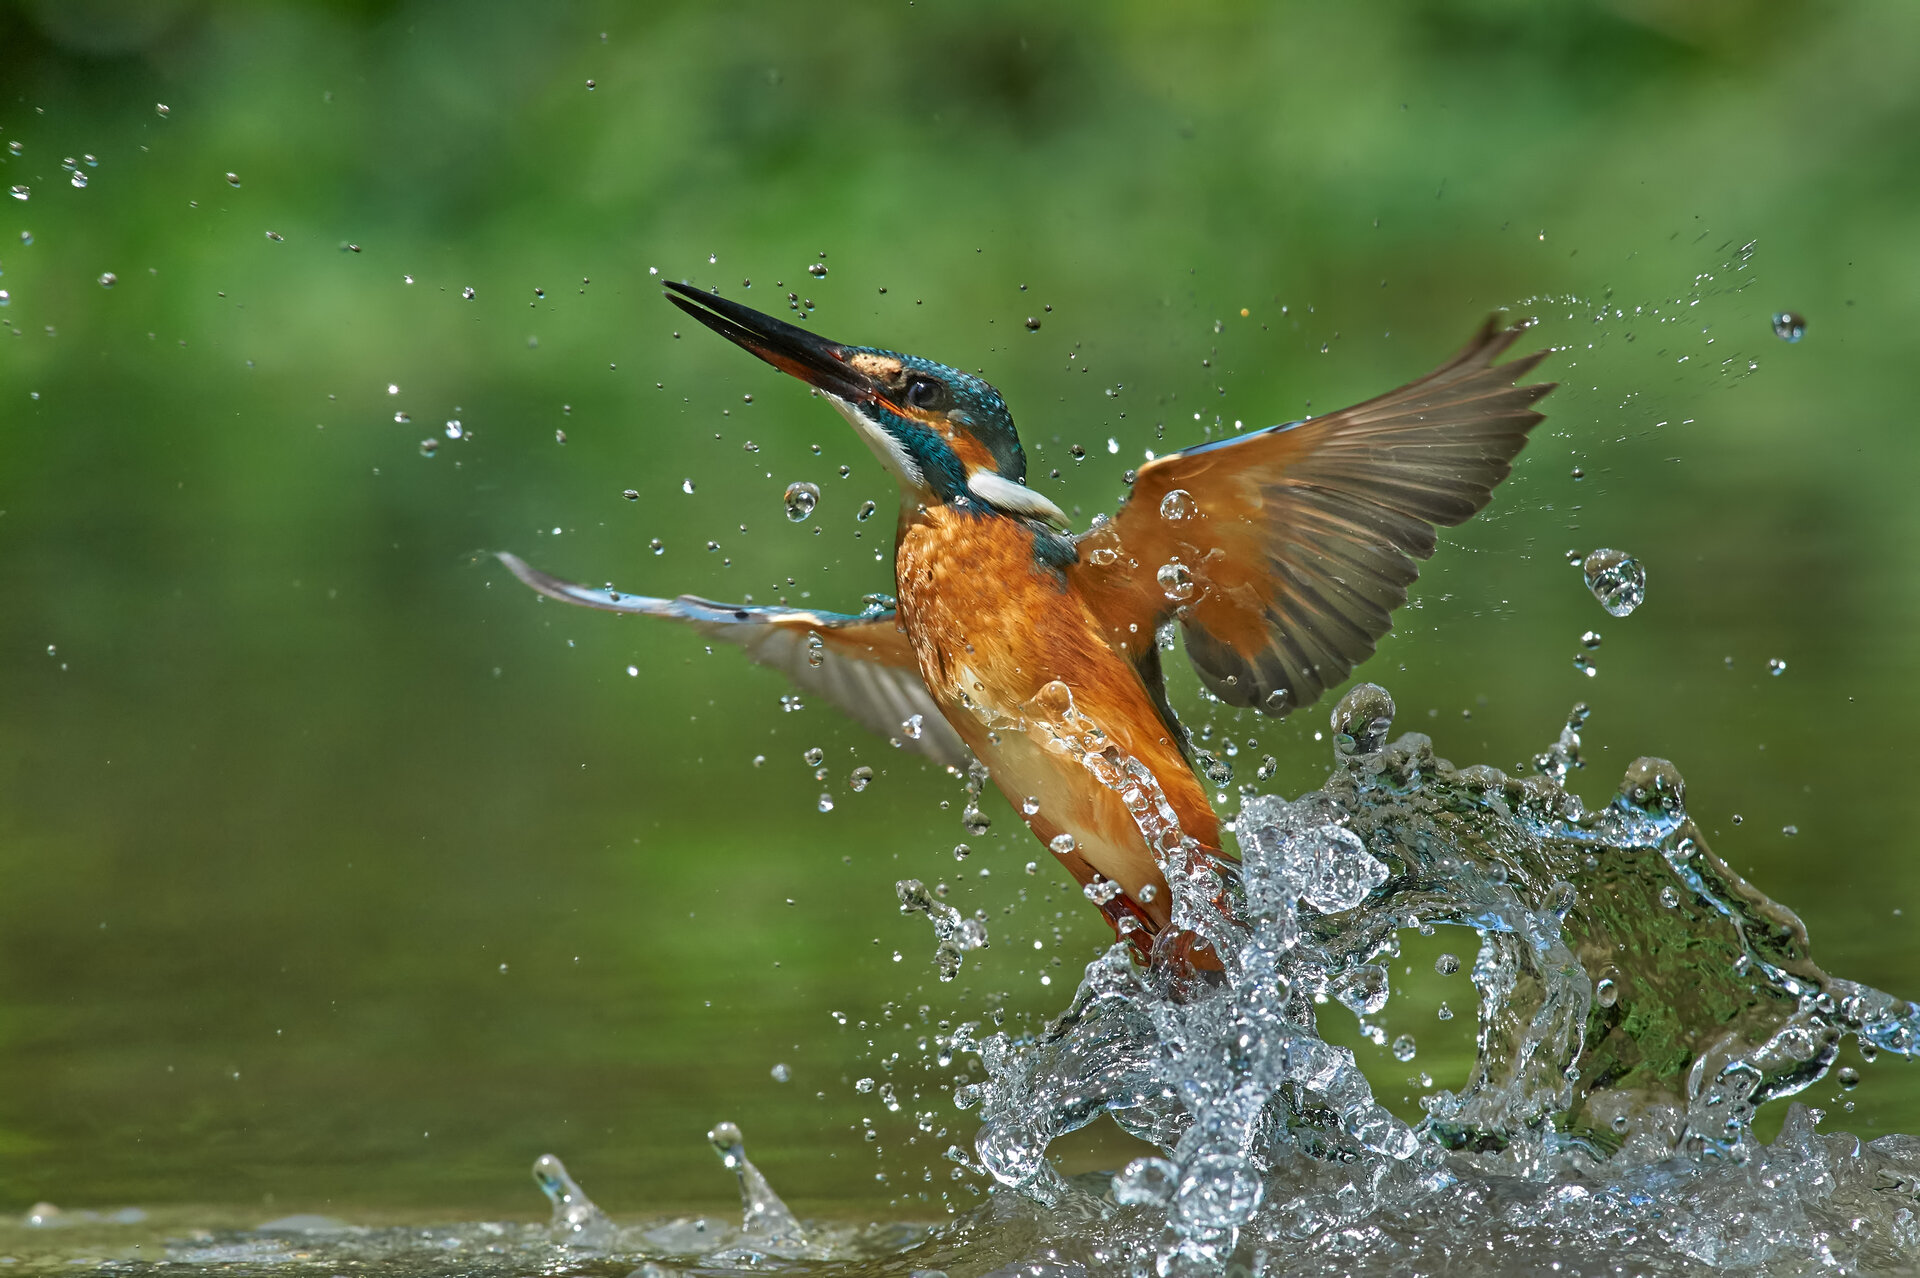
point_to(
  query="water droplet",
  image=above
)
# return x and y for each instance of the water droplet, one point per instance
(826, 802)
(1616, 579)
(801, 498)
(276, 237)
(108, 279)
(1847, 1076)
(1178, 506)
(845, 471)
(6, 299)
(162, 110)
(21, 192)
(403, 417)
(975, 821)
(1404, 1048)
(1176, 579)
(1101, 891)
(233, 179)
(1444, 1012)
(1591, 639)
(1578, 473)
(429, 446)
(1146, 1182)
(15, 148)
(781, 1073)
(1790, 830)
(1362, 720)
(1113, 446)
(1447, 964)
(631, 494)
(1669, 896)
(1605, 992)
(863, 1085)
(686, 486)
(455, 430)
(913, 726)
(79, 179)
(814, 756)
(657, 546)
(1061, 844)
(865, 512)
(467, 293)
(1776, 667)
(817, 269)
(861, 778)
(559, 437)
(1789, 326)
(1033, 323)
(816, 652)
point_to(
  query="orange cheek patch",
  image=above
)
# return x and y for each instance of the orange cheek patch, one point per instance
(971, 452)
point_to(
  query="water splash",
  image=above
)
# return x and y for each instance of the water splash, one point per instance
(954, 933)
(1638, 1001)
(764, 1217)
(575, 1220)
(1711, 1003)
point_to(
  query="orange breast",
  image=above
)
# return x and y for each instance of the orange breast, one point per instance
(1022, 670)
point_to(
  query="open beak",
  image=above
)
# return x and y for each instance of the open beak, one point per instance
(811, 358)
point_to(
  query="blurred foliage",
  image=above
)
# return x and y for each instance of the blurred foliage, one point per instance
(340, 872)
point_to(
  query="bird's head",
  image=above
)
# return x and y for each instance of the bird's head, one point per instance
(946, 435)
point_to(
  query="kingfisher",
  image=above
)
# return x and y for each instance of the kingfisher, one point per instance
(1012, 640)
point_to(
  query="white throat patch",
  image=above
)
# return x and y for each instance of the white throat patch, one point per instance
(884, 446)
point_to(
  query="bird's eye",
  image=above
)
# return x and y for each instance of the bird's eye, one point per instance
(924, 392)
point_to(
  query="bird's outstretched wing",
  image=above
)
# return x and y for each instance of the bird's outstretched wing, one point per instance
(1284, 553)
(860, 662)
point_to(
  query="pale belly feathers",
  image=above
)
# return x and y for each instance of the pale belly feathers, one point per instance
(1062, 722)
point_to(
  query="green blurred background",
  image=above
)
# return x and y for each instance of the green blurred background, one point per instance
(339, 873)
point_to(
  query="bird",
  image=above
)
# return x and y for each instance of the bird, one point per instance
(1279, 555)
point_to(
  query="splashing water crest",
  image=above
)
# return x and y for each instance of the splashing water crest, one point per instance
(1627, 1104)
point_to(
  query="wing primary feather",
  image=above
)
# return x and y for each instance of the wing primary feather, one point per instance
(858, 661)
(1308, 534)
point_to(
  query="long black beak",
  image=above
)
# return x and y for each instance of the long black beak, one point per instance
(811, 358)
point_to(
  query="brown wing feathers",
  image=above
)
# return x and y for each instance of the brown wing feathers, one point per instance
(1305, 535)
